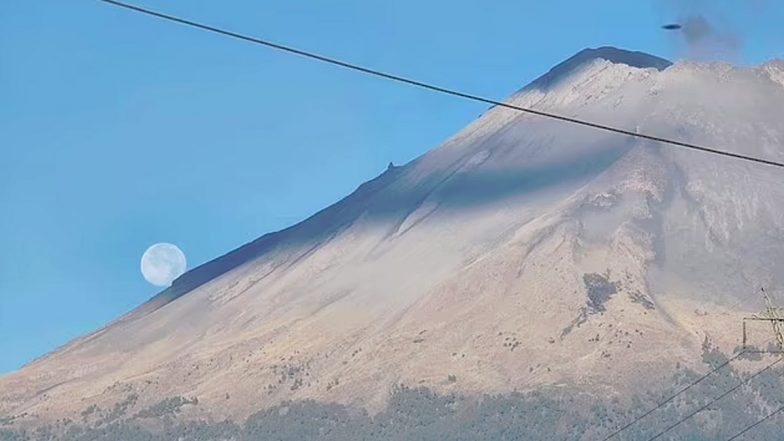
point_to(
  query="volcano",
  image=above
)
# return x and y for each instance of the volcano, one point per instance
(522, 255)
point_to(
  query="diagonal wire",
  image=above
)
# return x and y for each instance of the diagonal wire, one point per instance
(436, 88)
(736, 387)
(668, 400)
(739, 434)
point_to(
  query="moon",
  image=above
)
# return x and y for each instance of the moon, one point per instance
(162, 263)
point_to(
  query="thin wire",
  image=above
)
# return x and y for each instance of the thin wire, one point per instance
(738, 435)
(764, 352)
(658, 406)
(435, 88)
(736, 387)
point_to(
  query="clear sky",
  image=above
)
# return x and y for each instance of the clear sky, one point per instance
(118, 131)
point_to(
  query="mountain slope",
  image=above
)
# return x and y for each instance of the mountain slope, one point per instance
(522, 253)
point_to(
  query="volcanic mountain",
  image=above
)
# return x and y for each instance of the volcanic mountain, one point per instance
(522, 254)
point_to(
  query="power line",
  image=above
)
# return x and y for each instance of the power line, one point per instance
(739, 434)
(658, 406)
(736, 387)
(436, 88)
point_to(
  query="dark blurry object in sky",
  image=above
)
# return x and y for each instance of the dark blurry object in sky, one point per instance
(672, 27)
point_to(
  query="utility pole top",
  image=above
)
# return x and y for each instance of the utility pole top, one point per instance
(772, 314)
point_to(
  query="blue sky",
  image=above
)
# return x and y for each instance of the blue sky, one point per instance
(118, 131)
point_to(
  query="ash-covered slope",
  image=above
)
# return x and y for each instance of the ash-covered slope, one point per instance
(522, 253)
(346, 211)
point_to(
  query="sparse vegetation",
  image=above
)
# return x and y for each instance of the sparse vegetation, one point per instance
(421, 414)
(89, 410)
(169, 406)
(333, 383)
(119, 409)
(511, 342)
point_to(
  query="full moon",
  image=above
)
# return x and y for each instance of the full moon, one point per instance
(162, 263)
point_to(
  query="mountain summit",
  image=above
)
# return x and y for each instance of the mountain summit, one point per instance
(523, 254)
(610, 54)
